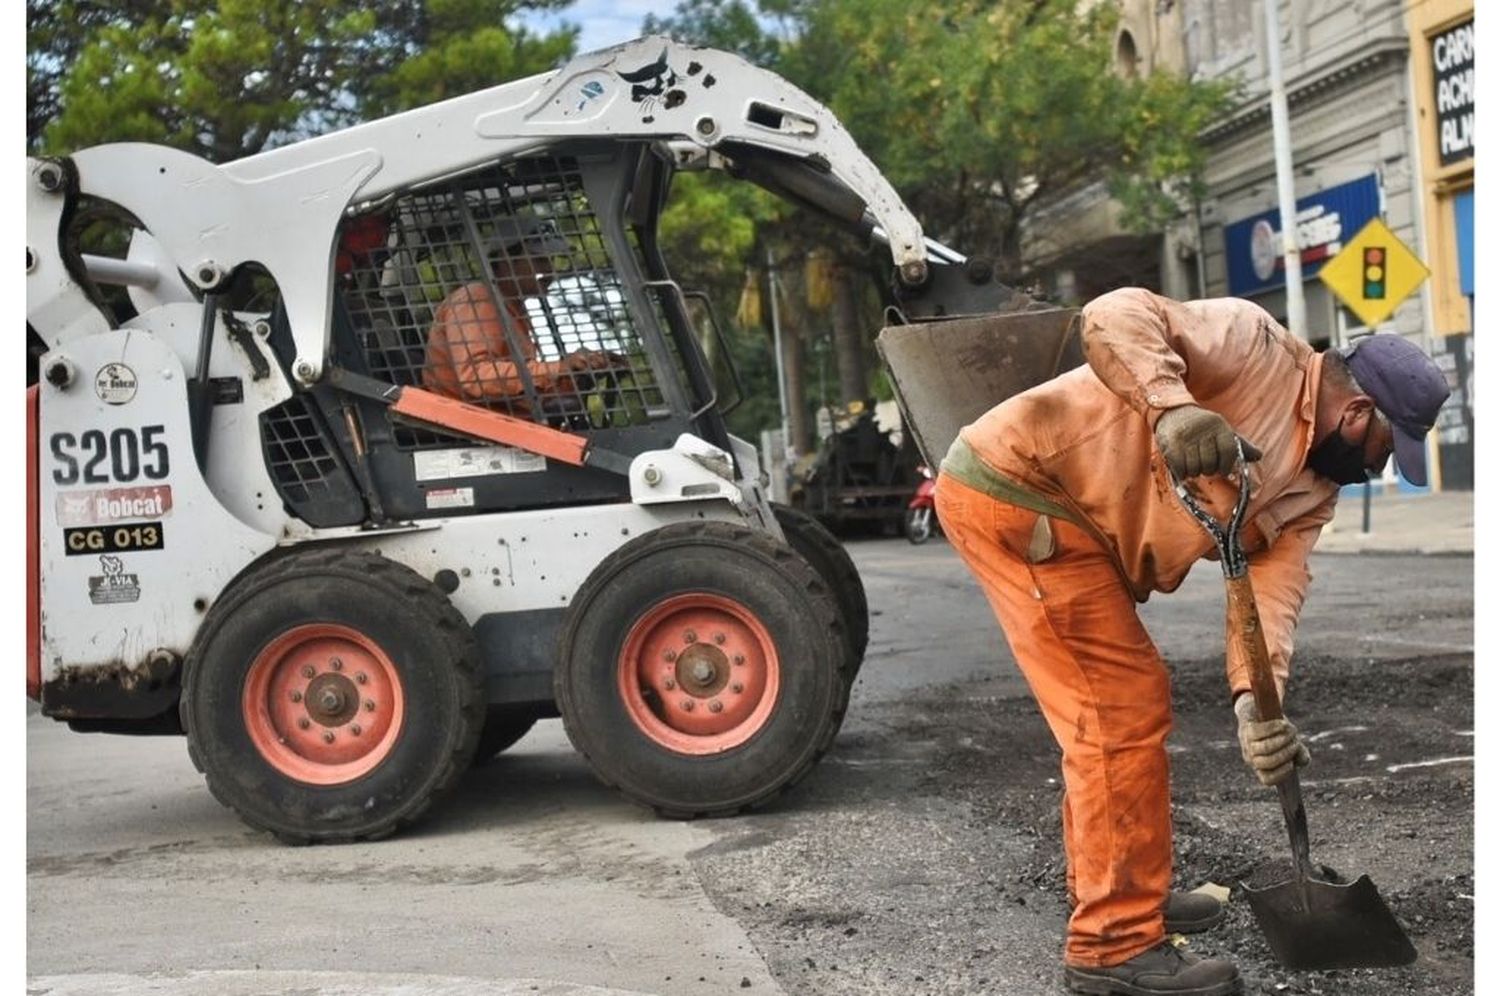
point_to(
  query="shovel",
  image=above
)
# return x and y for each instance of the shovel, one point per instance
(1317, 919)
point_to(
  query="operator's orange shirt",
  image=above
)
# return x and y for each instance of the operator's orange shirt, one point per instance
(468, 355)
(1086, 440)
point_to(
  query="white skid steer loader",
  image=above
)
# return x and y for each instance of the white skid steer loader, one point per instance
(463, 466)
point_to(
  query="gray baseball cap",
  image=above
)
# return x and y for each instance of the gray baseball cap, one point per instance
(1407, 387)
(527, 235)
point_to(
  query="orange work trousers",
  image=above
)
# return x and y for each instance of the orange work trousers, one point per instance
(1102, 686)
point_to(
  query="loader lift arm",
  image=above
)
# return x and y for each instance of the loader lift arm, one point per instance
(281, 208)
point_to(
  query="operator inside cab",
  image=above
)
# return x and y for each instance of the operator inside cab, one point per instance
(469, 356)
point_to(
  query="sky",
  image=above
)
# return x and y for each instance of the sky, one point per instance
(604, 22)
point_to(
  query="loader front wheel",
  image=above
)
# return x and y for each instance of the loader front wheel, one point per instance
(332, 695)
(700, 670)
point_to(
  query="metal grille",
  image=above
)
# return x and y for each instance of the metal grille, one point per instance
(300, 460)
(497, 288)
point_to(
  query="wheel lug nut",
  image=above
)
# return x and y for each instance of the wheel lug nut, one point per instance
(670, 655)
(690, 637)
(716, 706)
(739, 658)
(303, 723)
(336, 664)
(669, 684)
(687, 705)
(356, 729)
(308, 671)
(361, 677)
(369, 705)
(737, 688)
(719, 638)
(296, 696)
(328, 737)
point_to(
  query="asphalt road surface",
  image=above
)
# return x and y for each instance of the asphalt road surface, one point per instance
(920, 856)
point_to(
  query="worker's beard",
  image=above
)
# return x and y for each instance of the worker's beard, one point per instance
(1338, 459)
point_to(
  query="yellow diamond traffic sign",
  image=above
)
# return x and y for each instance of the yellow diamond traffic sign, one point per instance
(1374, 273)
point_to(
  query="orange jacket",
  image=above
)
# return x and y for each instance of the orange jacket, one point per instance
(1086, 440)
(468, 356)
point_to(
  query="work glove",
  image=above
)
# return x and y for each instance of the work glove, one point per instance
(1196, 441)
(1271, 748)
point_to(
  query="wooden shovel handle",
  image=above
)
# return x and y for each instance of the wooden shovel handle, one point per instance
(1245, 630)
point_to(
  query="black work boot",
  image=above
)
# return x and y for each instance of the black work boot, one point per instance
(1164, 969)
(1191, 912)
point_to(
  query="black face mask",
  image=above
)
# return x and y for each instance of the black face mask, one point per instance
(1340, 460)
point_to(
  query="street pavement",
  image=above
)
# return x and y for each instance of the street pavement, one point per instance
(536, 879)
(1440, 522)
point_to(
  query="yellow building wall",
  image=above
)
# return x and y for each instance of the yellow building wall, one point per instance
(1450, 309)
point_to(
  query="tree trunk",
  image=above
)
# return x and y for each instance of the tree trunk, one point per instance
(793, 326)
(848, 335)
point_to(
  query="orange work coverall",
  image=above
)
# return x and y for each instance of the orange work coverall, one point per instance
(1060, 503)
(468, 355)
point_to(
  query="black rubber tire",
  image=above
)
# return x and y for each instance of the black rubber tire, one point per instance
(827, 555)
(504, 726)
(784, 594)
(427, 641)
(919, 527)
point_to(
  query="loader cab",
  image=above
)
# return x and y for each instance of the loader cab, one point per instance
(478, 286)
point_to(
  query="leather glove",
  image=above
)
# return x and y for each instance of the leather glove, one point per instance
(1196, 441)
(1272, 747)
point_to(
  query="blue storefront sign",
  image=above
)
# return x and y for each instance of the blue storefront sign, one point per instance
(1325, 221)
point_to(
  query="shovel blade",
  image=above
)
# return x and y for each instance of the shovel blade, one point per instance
(1321, 925)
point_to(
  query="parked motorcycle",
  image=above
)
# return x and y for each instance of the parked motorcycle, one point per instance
(921, 516)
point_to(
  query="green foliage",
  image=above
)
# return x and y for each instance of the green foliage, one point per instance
(729, 25)
(987, 109)
(228, 78)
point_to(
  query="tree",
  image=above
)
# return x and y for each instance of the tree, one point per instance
(227, 78)
(987, 109)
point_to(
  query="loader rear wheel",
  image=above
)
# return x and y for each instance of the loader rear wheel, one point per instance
(700, 670)
(332, 695)
(827, 555)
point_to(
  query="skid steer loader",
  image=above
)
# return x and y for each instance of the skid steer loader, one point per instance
(460, 463)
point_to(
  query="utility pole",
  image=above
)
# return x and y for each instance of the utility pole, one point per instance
(1281, 135)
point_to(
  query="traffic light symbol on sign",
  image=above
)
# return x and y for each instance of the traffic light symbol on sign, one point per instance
(1374, 273)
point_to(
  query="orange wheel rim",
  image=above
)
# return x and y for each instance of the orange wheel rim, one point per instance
(699, 674)
(323, 704)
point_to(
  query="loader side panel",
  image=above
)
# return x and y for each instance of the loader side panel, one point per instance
(134, 546)
(33, 558)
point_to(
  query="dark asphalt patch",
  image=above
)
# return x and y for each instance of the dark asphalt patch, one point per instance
(923, 855)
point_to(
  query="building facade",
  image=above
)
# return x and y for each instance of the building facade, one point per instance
(1441, 35)
(1380, 101)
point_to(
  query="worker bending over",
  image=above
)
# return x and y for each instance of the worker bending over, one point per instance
(1061, 502)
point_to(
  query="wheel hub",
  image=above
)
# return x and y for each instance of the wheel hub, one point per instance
(699, 673)
(331, 699)
(323, 704)
(703, 670)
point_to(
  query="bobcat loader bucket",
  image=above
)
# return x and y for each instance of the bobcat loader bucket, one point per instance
(948, 372)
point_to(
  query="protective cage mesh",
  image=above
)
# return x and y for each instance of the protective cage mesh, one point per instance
(497, 288)
(299, 456)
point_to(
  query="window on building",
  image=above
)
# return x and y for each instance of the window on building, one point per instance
(1126, 59)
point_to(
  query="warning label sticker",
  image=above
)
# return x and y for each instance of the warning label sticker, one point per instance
(436, 465)
(92, 508)
(115, 586)
(450, 498)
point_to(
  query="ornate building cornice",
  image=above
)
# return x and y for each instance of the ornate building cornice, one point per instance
(1340, 75)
